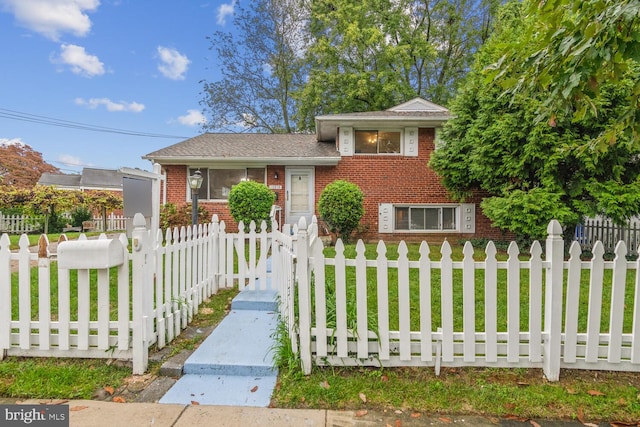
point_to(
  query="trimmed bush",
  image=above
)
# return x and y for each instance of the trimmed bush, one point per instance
(251, 201)
(341, 206)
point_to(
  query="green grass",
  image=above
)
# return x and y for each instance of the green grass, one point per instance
(523, 393)
(49, 378)
(479, 290)
(59, 378)
(580, 394)
(14, 239)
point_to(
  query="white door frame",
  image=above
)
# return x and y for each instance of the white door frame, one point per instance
(293, 217)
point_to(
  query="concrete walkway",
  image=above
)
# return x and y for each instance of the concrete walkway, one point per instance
(92, 413)
(234, 365)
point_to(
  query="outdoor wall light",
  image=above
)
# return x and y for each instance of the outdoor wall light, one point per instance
(195, 181)
(275, 175)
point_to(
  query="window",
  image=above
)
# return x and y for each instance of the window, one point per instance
(441, 218)
(217, 183)
(378, 141)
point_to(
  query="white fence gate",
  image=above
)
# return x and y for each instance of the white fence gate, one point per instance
(108, 302)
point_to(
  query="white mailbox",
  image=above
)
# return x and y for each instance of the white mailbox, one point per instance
(87, 254)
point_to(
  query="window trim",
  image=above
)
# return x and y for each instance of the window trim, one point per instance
(440, 206)
(378, 130)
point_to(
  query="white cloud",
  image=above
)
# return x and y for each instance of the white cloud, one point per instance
(173, 64)
(79, 60)
(70, 160)
(225, 10)
(51, 18)
(192, 118)
(13, 141)
(110, 105)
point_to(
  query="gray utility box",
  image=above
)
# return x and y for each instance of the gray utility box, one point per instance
(90, 254)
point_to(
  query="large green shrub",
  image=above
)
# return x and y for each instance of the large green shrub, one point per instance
(79, 215)
(341, 206)
(251, 201)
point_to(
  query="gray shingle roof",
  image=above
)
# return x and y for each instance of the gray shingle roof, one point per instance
(220, 146)
(107, 179)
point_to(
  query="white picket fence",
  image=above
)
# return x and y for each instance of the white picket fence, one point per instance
(528, 322)
(543, 311)
(112, 303)
(114, 223)
(18, 224)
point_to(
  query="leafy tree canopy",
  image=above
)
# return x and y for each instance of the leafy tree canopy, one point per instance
(21, 166)
(572, 49)
(373, 54)
(261, 66)
(533, 171)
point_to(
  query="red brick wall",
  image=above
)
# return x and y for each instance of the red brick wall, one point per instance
(177, 192)
(399, 179)
(383, 179)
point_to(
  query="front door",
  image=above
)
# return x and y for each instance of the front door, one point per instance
(300, 198)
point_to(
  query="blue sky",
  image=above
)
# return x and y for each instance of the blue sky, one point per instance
(130, 65)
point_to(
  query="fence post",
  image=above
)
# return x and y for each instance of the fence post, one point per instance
(304, 295)
(140, 255)
(553, 301)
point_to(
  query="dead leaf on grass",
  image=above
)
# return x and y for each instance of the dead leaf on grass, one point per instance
(325, 385)
(580, 415)
(595, 393)
(445, 420)
(415, 415)
(119, 399)
(384, 378)
(206, 310)
(77, 408)
(534, 424)
(398, 423)
(361, 413)
(571, 391)
(363, 397)
(109, 390)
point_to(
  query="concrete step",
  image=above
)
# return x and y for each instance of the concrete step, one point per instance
(221, 390)
(241, 344)
(264, 300)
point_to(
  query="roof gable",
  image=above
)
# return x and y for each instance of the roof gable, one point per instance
(418, 104)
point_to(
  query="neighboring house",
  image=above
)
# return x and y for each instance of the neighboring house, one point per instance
(386, 153)
(89, 179)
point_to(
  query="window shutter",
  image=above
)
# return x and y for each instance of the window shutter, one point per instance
(468, 218)
(346, 141)
(385, 218)
(411, 142)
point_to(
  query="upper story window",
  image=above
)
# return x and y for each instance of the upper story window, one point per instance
(217, 183)
(378, 141)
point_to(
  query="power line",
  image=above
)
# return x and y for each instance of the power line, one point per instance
(50, 121)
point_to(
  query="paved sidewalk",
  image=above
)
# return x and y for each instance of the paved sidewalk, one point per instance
(92, 413)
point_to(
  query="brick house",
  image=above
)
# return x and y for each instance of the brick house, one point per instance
(386, 153)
